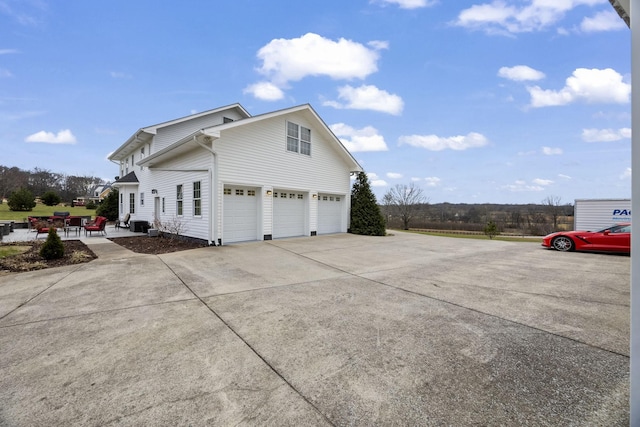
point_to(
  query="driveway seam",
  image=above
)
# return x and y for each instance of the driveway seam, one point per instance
(41, 292)
(111, 310)
(255, 351)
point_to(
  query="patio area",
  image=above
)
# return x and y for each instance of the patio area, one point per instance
(25, 234)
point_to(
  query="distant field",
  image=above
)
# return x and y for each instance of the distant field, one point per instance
(481, 237)
(42, 210)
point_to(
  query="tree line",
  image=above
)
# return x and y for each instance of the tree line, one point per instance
(406, 206)
(40, 181)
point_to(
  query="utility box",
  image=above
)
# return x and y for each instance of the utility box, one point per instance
(596, 214)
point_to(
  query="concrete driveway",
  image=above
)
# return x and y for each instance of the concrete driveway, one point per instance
(331, 330)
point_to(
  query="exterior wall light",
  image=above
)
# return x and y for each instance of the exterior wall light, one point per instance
(269, 192)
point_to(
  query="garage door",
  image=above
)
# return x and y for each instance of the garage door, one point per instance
(240, 214)
(288, 213)
(329, 213)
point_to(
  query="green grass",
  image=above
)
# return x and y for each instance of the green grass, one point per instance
(42, 210)
(482, 237)
(7, 251)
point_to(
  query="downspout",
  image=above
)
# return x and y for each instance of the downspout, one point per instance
(213, 200)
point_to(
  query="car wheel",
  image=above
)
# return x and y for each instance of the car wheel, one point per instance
(562, 243)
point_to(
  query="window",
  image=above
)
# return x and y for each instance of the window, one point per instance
(298, 139)
(227, 191)
(163, 205)
(121, 203)
(132, 203)
(179, 197)
(300, 196)
(141, 199)
(239, 192)
(251, 192)
(292, 196)
(197, 199)
(283, 195)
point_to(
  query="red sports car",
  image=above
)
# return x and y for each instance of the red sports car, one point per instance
(616, 238)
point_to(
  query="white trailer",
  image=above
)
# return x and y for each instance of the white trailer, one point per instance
(596, 214)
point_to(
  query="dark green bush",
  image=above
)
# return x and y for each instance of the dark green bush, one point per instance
(50, 198)
(21, 200)
(90, 204)
(109, 206)
(52, 248)
(491, 229)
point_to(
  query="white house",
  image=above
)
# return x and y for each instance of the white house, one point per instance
(225, 176)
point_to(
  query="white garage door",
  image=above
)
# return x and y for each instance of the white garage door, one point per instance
(288, 213)
(240, 214)
(329, 213)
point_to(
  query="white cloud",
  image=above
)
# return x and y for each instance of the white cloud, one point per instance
(626, 174)
(63, 137)
(551, 151)
(5, 73)
(365, 139)
(265, 91)
(432, 181)
(520, 186)
(520, 73)
(8, 51)
(607, 20)
(408, 4)
(394, 175)
(563, 176)
(587, 85)
(415, 179)
(500, 17)
(605, 135)
(375, 181)
(285, 60)
(540, 181)
(367, 97)
(437, 143)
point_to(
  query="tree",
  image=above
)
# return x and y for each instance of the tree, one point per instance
(21, 200)
(109, 206)
(52, 248)
(365, 213)
(554, 209)
(50, 198)
(406, 201)
(491, 229)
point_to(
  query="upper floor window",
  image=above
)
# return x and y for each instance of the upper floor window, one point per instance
(298, 139)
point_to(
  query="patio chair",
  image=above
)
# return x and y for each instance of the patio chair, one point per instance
(43, 227)
(124, 223)
(98, 225)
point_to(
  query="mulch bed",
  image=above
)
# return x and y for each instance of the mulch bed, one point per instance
(75, 252)
(156, 245)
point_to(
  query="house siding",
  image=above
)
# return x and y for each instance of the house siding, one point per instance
(166, 136)
(250, 154)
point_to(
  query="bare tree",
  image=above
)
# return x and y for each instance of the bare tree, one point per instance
(554, 209)
(406, 201)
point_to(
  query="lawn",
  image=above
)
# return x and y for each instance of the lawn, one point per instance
(482, 237)
(42, 210)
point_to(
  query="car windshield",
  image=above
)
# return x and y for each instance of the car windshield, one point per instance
(616, 229)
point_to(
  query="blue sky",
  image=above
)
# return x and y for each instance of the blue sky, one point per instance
(503, 101)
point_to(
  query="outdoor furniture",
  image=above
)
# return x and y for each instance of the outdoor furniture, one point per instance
(43, 227)
(125, 222)
(98, 226)
(73, 223)
(140, 226)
